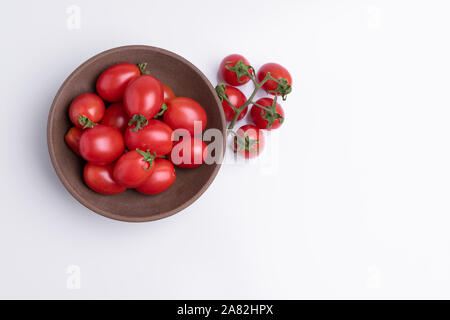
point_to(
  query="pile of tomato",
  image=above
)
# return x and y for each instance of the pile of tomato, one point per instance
(266, 113)
(128, 144)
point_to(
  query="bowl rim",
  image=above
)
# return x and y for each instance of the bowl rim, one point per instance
(73, 191)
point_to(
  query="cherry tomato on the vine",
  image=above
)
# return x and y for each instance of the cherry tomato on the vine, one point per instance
(188, 152)
(142, 99)
(249, 141)
(116, 116)
(237, 98)
(184, 113)
(86, 110)
(168, 92)
(112, 82)
(156, 136)
(240, 65)
(161, 179)
(72, 139)
(133, 168)
(100, 179)
(277, 72)
(265, 120)
(101, 144)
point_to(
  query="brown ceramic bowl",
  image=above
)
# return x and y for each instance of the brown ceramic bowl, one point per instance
(186, 80)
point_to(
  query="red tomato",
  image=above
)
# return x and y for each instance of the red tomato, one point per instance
(230, 76)
(189, 152)
(133, 168)
(116, 116)
(86, 109)
(101, 144)
(72, 138)
(112, 82)
(161, 179)
(249, 141)
(276, 71)
(183, 112)
(143, 98)
(100, 179)
(156, 136)
(262, 120)
(237, 98)
(168, 92)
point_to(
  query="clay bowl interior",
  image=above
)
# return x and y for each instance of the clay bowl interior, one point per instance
(186, 80)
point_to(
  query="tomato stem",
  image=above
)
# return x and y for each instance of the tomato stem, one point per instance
(261, 107)
(161, 112)
(271, 115)
(222, 93)
(148, 157)
(241, 69)
(142, 66)
(86, 122)
(140, 122)
(245, 143)
(283, 89)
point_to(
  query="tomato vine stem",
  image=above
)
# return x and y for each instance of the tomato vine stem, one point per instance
(250, 99)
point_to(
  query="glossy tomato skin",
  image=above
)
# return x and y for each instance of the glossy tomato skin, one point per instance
(256, 114)
(143, 96)
(161, 179)
(197, 151)
(116, 116)
(277, 71)
(229, 76)
(131, 170)
(72, 139)
(112, 82)
(156, 136)
(237, 98)
(168, 92)
(254, 134)
(101, 144)
(89, 105)
(182, 113)
(100, 179)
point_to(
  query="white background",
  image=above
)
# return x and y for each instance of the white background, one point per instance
(357, 205)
